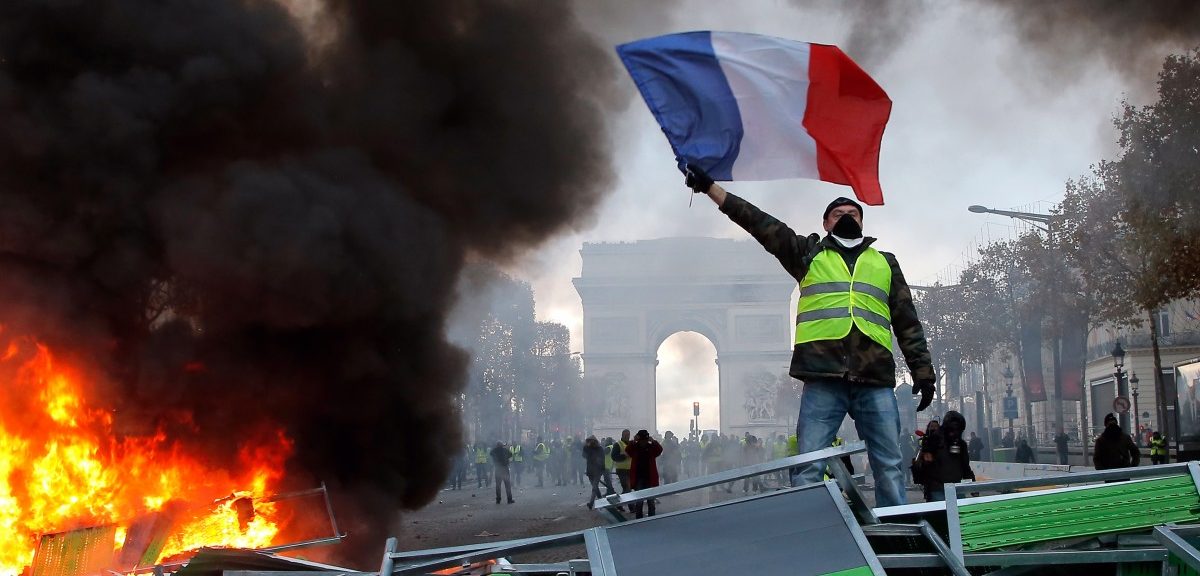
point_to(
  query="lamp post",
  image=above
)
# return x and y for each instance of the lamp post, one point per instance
(1118, 354)
(1008, 378)
(1137, 421)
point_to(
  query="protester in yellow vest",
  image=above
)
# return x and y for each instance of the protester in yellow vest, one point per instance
(1158, 449)
(852, 299)
(482, 478)
(518, 461)
(779, 450)
(621, 460)
(837, 441)
(710, 455)
(540, 454)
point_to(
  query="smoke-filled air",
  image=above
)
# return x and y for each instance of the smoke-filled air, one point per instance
(317, 278)
(255, 213)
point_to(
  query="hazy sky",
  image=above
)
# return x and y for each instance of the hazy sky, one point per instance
(979, 117)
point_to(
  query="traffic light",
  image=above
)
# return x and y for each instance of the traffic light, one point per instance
(695, 408)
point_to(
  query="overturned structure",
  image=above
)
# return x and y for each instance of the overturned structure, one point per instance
(1131, 521)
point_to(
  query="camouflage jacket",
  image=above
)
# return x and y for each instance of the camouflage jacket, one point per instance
(855, 358)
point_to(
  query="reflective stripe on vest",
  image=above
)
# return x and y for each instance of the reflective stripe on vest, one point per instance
(517, 454)
(832, 300)
(541, 453)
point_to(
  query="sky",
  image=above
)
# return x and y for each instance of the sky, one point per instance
(981, 115)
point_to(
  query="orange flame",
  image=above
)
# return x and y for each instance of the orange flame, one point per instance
(63, 467)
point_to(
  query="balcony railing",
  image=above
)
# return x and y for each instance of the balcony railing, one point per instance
(1142, 340)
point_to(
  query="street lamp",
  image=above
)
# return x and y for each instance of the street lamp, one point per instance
(1008, 379)
(1118, 354)
(1044, 219)
(1137, 421)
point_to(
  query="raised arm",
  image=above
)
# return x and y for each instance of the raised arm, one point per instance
(778, 239)
(717, 194)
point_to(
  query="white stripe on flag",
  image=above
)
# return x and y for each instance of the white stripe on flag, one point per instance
(769, 80)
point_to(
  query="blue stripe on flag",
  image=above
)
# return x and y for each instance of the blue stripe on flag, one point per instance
(672, 72)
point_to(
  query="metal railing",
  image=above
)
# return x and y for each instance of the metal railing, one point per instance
(609, 504)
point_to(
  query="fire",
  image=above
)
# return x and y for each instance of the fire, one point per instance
(62, 467)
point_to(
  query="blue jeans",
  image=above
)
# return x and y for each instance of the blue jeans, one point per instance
(823, 406)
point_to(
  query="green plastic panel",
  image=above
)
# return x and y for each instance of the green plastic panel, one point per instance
(1095, 510)
(75, 553)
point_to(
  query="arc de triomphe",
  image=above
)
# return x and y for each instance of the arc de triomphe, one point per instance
(637, 294)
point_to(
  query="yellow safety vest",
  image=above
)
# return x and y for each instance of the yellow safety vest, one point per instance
(541, 453)
(628, 461)
(481, 456)
(832, 300)
(837, 441)
(793, 444)
(608, 461)
(1158, 447)
(517, 455)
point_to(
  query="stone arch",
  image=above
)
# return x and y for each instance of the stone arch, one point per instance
(699, 380)
(636, 295)
(659, 333)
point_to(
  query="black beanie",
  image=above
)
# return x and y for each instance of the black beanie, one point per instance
(843, 201)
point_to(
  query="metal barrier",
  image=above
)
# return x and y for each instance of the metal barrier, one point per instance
(609, 505)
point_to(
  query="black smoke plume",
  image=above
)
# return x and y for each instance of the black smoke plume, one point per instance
(191, 183)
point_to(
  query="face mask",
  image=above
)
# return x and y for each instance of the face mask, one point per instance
(847, 227)
(847, 243)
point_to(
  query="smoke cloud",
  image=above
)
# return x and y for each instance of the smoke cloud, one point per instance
(1128, 35)
(193, 183)
(1131, 37)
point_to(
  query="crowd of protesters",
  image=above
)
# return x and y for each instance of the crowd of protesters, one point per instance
(610, 465)
(616, 465)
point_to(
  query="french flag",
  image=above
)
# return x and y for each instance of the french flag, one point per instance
(750, 107)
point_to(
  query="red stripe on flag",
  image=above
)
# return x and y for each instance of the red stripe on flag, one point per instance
(846, 114)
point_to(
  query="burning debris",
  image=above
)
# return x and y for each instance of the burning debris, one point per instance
(63, 467)
(230, 251)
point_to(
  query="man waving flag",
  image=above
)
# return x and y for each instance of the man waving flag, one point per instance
(749, 107)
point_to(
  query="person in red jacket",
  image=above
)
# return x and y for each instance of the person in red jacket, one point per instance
(643, 470)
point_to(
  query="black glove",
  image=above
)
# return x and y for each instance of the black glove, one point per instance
(696, 179)
(925, 389)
